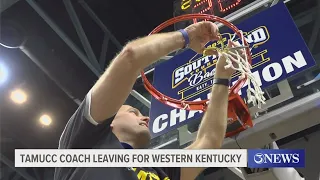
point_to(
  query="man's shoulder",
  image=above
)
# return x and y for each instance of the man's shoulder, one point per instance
(81, 131)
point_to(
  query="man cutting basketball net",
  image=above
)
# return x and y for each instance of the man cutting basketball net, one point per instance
(103, 122)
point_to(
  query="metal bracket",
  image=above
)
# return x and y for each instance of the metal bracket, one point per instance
(166, 143)
(141, 98)
(316, 79)
(185, 136)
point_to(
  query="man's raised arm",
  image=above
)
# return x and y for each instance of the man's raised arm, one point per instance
(213, 126)
(114, 86)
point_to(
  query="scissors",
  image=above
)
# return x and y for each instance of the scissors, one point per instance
(224, 49)
(236, 48)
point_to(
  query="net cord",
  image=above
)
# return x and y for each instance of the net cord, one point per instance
(254, 91)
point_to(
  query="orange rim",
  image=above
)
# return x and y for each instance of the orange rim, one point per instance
(193, 105)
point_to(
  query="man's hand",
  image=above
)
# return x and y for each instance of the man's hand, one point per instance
(200, 34)
(221, 71)
(203, 32)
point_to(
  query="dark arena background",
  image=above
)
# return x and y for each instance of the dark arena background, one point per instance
(53, 51)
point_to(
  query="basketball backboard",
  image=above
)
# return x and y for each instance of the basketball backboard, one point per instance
(300, 88)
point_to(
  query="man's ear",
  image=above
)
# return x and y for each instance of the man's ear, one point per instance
(111, 125)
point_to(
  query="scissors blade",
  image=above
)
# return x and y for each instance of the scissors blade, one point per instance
(237, 48)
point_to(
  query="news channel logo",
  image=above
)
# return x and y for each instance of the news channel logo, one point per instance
(269, 158)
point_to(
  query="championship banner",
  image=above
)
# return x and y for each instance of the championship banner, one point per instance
(278, 52)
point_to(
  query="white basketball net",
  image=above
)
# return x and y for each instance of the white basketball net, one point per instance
(254, 92)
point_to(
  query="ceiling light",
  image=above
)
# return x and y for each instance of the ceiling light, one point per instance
(3, 73)
(45, 120)
(18, 96)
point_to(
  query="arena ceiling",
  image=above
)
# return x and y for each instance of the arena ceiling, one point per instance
(60, 73)
(129, 20)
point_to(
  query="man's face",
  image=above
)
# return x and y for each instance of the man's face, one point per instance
(130, 122)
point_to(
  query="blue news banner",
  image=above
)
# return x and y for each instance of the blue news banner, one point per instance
(276, 158)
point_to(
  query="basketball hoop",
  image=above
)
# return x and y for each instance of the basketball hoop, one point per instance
(237, 109)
